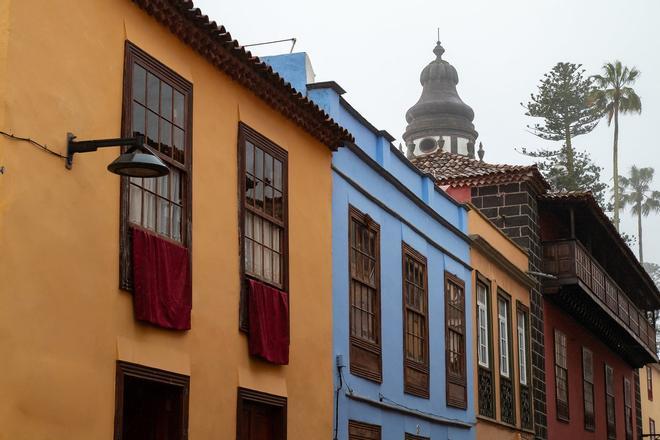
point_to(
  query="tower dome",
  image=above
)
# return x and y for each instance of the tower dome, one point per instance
(439, 119)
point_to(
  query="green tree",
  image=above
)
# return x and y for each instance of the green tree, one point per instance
(635, 191)
(654, 270)
(613, 96)
(552, 164)
(563, 103)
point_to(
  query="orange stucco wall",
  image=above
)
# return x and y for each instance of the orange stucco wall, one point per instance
(487, 267)
(63, 320)
(650, 403)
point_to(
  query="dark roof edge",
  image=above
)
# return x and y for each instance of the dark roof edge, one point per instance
(216, 45)
(327, 85)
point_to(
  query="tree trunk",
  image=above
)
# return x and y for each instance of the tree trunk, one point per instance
(570, 163)
(615, 154)
(639, 232)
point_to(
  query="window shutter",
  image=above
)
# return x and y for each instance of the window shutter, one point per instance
(364, 296)
(415, 324)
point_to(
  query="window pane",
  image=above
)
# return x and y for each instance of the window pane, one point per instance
(135, 209)
(259, 195)
(178, 117)
(166, 101)
(178, 143)
(149, 217)
(163, 216)
(278, 175)
(258, 260)
(137, 125)
(153, 92)
(176, 185)
(268, 169)
(268, 264)
(268, 200)
(152, 130)
(176, 222)
(165, 137)
(259, 164)
(139, 83)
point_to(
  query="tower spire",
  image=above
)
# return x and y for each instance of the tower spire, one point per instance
(440, 120)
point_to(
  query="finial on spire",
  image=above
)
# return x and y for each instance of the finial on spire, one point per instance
(438, 50)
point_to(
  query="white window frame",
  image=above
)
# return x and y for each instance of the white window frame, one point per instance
(522, 347)
(503, 325)
(483, 340)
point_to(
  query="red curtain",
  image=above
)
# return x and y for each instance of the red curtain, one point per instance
(269, 323)
(162, 291)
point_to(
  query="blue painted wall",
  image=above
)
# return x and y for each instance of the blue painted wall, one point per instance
(446, 249)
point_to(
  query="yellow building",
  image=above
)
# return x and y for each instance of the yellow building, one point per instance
(501, 351)
(649, 381)
(77, 364)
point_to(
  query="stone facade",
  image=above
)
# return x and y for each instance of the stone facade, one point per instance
(513, 208)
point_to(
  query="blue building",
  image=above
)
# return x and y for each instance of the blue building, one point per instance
(401, 281)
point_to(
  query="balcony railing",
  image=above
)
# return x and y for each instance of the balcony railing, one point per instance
(570, 259)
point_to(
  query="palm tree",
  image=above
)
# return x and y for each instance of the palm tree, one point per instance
(636, 193)
(614, 95)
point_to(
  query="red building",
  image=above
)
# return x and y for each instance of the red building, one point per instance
(597, 325)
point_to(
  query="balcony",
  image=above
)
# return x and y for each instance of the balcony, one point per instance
(581, 284)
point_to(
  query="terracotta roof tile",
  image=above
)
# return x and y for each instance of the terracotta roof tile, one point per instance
(215, 44)
(457, 170)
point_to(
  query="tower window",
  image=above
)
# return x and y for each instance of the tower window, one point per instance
(427, 145)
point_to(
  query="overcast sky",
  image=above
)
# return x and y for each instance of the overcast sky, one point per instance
(376, 50)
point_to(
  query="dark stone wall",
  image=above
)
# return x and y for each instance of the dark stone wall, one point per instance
(513, 208)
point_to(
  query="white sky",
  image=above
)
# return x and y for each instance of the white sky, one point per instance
(376, 50)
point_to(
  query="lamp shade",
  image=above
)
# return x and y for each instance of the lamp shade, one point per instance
(137, 163)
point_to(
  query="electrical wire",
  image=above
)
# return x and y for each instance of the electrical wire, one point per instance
(382, 398)
(43, 147)
(337, 390)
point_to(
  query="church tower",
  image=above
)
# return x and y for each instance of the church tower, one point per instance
(440, 120)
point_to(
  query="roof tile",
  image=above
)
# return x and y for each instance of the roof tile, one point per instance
(457, 170)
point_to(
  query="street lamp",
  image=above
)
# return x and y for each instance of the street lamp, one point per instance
(138, 161)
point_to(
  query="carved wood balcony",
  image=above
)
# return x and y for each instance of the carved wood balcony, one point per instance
(586, 291)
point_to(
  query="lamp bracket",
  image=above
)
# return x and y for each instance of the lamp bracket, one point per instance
(73, 146)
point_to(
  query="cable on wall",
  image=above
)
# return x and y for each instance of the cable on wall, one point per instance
(43, 147)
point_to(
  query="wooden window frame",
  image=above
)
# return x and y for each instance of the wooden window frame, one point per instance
(523, 311)
(365, 356)
(363, 431)
(124, 369)
(649, 382)
(455, 384)
(133, 54)
(482, 282)
(248, 134)
(610, 396)
(415, 374)
(588, 383)
(247, 395)
(629, 424)
(652, 427)
(510, 378)
(560, 415)
(485, 374)
(502, 296)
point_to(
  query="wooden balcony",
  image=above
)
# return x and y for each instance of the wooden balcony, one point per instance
(581, 284)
